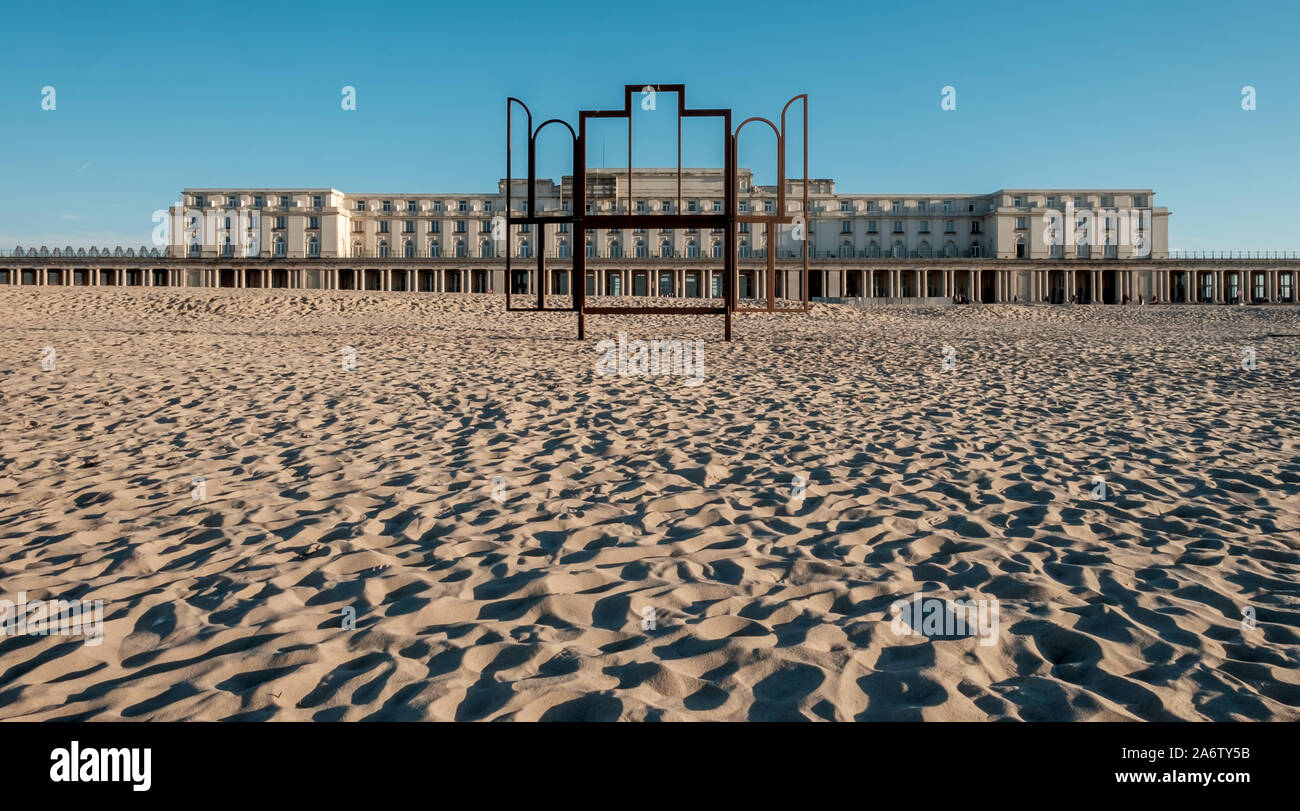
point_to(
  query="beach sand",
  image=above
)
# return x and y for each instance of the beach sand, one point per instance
(526, 596)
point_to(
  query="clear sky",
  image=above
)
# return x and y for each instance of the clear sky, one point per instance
(151, 98)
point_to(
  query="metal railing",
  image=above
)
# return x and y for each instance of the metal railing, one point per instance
(1234, 254)
(117, 252)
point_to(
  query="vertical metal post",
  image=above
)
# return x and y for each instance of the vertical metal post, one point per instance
(579, 228)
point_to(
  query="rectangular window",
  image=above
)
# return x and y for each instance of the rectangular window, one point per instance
(846, 227)
(564, 228)
(232, 202)
(411, 207)
(1018, 202)
(484, 226)
(1051, 202)
(640, 206)
(383, 226)
(284, 201)
(922, 206)
(947, 206)
(437, 205)
(435, 227)
(1022, 223)
(898, 226)
(462, 205)
(313, 222)
(487, 205)
(258, 201)
(361, 205)
(1140, 201)
(317, 201)
(949, 227)
(897, 206)
(388, 205)
(692, 206)
(408, 227)
(846, 207)
(873, 226)
(1107, 201)
(280, 222)
(975, 226)
(925, 226)
(767, 206)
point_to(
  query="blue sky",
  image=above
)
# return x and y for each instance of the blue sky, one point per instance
(154, 98)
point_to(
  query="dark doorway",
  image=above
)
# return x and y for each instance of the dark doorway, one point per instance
(988, 286)
(1178, 288)
(853, 283)
(518, 281)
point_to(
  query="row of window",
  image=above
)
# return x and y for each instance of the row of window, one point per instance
(1081, 201)
(692, 206)
(614, 250)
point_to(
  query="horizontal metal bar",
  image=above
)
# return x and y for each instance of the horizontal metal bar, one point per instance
(656, 310)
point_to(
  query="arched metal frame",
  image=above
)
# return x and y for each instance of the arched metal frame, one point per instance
(780, 217)
(728, 219)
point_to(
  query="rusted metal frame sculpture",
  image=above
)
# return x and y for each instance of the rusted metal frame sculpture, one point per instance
(781, 217)
(532, 218)
(581, 221)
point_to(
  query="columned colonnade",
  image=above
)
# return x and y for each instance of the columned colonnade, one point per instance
(1165, 281)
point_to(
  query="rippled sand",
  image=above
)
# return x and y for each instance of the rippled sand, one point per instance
(373, 489)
